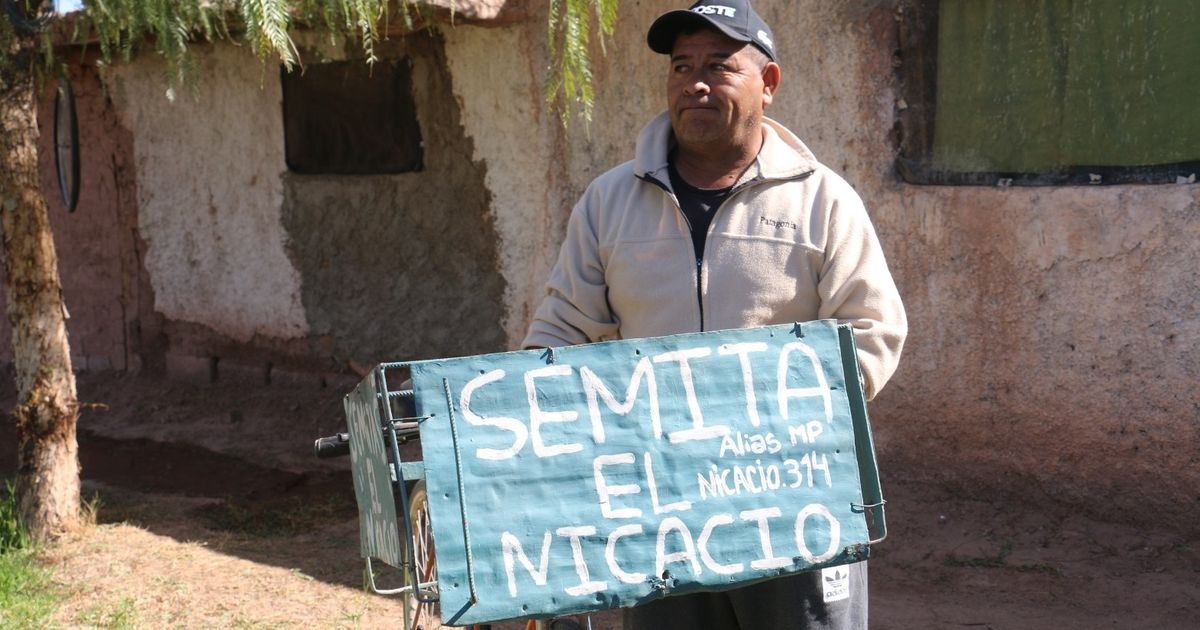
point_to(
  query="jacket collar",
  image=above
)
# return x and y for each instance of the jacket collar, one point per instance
(783, 155)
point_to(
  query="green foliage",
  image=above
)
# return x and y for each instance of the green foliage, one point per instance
(286, 518)
(12, 534)
(119, 615)
(123, 26)
(6, 34)
(171, 27)
(360, 18)
(27, 597)
(8, 31)
(568, 28)
(267, 23)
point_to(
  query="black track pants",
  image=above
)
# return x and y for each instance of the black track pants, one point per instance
(796, 602)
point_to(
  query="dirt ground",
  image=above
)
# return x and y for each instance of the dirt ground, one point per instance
(212, 513)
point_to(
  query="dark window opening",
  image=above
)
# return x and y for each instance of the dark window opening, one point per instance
(348, 118)
(1038, 92)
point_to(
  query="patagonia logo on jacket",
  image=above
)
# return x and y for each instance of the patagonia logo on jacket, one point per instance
(777, 223)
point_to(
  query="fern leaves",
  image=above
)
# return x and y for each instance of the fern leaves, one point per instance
(267, 23)
(568, 28)
(121, 26)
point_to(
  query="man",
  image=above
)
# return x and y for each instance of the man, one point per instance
(724, 219)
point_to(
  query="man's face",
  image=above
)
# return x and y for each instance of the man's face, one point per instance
(715, 91)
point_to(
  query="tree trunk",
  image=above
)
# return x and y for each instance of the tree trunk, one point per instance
(47, 483)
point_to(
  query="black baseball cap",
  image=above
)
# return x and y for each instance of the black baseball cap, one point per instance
(734, 18)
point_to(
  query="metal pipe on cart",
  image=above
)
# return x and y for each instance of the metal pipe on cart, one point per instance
(398, 481)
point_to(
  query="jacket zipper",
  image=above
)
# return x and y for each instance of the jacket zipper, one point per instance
(708, 233)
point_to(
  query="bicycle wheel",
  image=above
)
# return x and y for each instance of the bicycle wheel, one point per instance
(422, 615)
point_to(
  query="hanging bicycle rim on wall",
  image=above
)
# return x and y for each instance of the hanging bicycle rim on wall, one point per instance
(66, 144)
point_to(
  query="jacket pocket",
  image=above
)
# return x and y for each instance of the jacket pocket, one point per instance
(652, 286)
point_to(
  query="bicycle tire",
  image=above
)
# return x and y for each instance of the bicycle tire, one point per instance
(66, 144)
(421, 615)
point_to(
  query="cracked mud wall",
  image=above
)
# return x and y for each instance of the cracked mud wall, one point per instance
(403, 267)
(1054, 344)
(210, 193)
(496, 83)
(251, 262)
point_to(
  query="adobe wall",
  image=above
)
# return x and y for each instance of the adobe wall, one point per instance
(497, 81)
(400, 267)
(210, 194)
(103, 282)
(1054, 331)
(256, 269)
(194, 251)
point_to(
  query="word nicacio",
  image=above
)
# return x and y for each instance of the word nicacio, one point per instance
(694, 553)
(697, 491)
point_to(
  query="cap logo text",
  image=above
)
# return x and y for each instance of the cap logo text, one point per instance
(715, 8)
(762, 36)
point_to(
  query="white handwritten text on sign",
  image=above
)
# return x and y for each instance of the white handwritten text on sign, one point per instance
(610, 474)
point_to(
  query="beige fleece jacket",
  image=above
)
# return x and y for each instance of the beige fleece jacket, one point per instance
(791, 243)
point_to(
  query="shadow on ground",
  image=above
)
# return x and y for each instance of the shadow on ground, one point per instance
(223, 465)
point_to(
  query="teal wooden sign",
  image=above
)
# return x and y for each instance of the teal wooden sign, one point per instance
(379, 534)
(612, 474)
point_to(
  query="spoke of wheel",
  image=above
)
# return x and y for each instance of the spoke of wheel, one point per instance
(426, 564)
